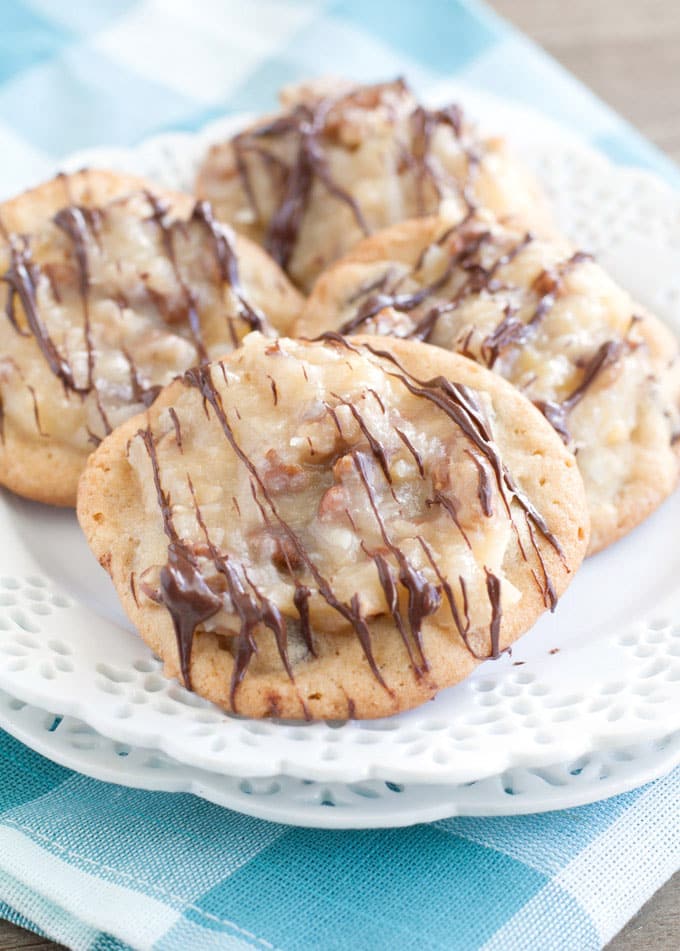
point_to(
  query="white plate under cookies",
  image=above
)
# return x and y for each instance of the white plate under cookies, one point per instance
(602, 673)
(366, 805)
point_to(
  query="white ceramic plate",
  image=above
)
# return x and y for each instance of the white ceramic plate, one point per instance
(371, 804)
(603, 672)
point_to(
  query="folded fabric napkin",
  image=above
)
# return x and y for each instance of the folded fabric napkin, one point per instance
(103, 867)
(98, 866)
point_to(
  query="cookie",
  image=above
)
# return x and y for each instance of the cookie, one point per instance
(334, 528)
(109, 290)
(549, 319)
(342, 161)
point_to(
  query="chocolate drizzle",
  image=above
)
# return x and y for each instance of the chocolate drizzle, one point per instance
(306, 124)
(557, 413)
(84, 227)
(493, 588)
(423, 597)
(311, 126)
(183, 590)
(227, 261)
(460, 404)
(510, 332)
(201, 379)
(159, 213)
(76, 223)
(465, 260)
(409, 596)
(424, 123)
(22, 277)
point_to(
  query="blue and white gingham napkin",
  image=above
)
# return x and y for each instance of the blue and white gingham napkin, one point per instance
(104, 867)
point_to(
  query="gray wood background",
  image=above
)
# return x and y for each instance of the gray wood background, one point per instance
(628, 51)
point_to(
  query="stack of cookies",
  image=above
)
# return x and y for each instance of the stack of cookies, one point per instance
(343, 424)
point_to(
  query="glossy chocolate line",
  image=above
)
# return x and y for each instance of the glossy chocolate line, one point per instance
(373, 304)
(74, 222)
(141, 393)
(463, 259)
(252, 609)
(178, 429)
(450, 506)
(307, 123)
(484, 493)
(22, 277)
(225, 255)
(513, 332)
(423, 597)
(390, 591)
(241, 146)
(474, 427)
(183, 589)
(376, 447)
(549, 593)
(424, 123)
(200, 379)
(493, 588)
(557, 413)
(414, 452)
(160, 210)
(479, 278)
(463, 628)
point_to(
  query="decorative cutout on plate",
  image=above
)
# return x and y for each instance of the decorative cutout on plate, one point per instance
(341, 805)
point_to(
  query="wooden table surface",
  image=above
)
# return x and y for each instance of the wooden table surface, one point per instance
(628, 51)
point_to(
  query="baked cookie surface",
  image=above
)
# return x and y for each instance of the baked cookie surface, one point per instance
(334, 528)
(342, 161)
(109, 290)
(604, 373)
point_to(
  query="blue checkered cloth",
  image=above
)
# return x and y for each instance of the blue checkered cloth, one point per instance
(105, 867)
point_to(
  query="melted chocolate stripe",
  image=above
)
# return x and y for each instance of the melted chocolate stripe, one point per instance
(387, 583)
(424, 123)
(493, 588)
(183, 589)
(423, 597)
(75, 223)
(22, 277)
(252, 609)
(462, 628)
(458, 403)
(549, 593)
(160, 210)
(557, 412)
(464, 259)
(307, 124)
(227, 260)
(513, 332)
(200, 379)
(414, 452)
(450, 506)
(375, 446)
(484, 493)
